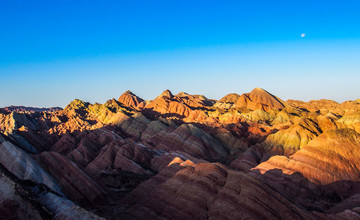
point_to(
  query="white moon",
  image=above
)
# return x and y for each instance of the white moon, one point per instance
(303, 35)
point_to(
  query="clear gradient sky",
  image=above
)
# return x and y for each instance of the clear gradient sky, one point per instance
(52, 52)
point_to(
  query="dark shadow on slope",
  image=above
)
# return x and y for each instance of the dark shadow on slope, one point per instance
(306, 199)
(152, 114)
(311, 196)
(295, 187)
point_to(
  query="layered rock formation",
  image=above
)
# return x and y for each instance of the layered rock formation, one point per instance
(321, 174)
(249, 156)
(259, 99)
(129, 99)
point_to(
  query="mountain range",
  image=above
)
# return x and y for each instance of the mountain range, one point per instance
(183, 156)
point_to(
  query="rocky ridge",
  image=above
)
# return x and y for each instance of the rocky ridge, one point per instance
(249, 156)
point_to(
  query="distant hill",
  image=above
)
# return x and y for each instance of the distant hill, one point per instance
(13, 108)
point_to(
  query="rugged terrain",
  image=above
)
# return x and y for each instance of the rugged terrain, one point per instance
(249, 156)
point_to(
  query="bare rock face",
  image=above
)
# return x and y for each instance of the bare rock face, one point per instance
(326, 106)
(229, 195)
(23, 166)
(153, 128)
(287, 142)
(13, 206)
(351, 120)
(329, 163)
(66, 209)
(314, 105)
(13, 125)
(230, 98)
(167, 104)
(27, 200)
(183, 156)
(327, 154)
(327, 122)
(76, 184)
(129, 99)
(259, 99)
(27, 191)
(103, 161)
(192, 140)
(180, 105)
(249, 159)
(166, 94)
(135, 125)
(194, 101)
(135, 158)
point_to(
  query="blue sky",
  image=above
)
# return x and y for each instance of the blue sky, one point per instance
(52, 52)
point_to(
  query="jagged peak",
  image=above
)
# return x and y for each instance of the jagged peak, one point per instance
(130, 99)
(77, 103)
(111, 101)
(167, 93)
(128, 92)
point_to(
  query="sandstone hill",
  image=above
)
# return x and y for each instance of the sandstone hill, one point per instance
(183, 156)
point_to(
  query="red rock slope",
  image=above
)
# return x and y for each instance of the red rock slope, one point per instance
(249, 156)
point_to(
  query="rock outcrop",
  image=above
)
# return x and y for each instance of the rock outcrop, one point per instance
(321, 174)
(129, 99)
(207, 191)
(183, 156)
(259, 99)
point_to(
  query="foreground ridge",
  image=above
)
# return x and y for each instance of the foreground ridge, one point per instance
(183, 156)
